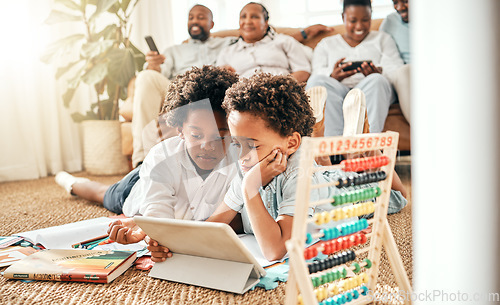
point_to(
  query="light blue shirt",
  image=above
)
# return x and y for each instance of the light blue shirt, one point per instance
(278, 196)
(400, 32)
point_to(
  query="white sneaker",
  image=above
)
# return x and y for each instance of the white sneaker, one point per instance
(354, 109)
(66, 180)
(317, 99)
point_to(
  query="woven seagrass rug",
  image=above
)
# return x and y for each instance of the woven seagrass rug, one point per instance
(35, 204)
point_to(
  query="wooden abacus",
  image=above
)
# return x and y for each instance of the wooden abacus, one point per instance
(320, 281)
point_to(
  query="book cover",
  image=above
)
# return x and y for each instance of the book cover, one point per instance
(12, 254)
(6, 241)
(94, 266)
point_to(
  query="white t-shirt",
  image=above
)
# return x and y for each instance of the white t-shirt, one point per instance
(275, 53)
(170, 187)
(378, 47)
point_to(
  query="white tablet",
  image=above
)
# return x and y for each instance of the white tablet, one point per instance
(206, 254)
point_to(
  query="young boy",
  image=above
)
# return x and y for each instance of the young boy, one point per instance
(268, 116)
(184, 177)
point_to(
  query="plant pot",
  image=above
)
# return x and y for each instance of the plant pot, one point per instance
(102, 153)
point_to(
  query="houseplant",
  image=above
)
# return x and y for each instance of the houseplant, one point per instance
(101, 56)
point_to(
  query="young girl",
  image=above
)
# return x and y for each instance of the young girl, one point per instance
(336, 53)
(184, 177)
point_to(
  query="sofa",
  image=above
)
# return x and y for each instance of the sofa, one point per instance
(395, 120)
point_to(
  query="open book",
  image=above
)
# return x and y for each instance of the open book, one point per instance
(62, 237)
(74, 265)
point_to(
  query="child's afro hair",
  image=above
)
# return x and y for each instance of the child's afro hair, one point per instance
(197, 84)
(279, 100)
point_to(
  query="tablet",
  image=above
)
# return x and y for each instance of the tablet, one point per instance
(213, 247)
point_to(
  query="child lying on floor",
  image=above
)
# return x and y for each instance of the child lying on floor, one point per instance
(184, 177)
(268, 116)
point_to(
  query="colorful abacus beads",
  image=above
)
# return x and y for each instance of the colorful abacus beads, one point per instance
(344, 212)
(309, 238)
(345, 297)
(332, 246)
(338, 274)
(329, 277)
(345, 286)
(343, 229)
(363, 178)
(310, 252)
(356, 195)
(362, 164)
(332, 261)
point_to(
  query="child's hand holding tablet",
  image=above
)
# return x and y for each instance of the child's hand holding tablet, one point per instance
(158, 253)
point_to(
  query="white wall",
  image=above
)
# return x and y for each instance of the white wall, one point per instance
(455, 147)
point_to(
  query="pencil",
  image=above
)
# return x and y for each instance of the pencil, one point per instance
(77, 245)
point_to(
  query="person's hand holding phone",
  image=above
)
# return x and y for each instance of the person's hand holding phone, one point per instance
(153, 57)
(338, 70)
(368, 68)
(154, 60)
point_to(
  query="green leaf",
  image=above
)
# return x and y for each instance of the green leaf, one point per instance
(139, 57)
(92, 49)
(121, 66)
(109, 32)
(74, 82)
(100, 86)
(95, 74)
(56, 16)
(102, 6)
(83, 4)
(61, 71)
(125, 4)
(61, 47)
(114, 8)
(123, 93)
(68, 96)
(78, 117)
(70, 4)
(93, 106)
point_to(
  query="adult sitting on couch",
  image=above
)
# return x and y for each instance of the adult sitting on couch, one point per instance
(397, 25)
(357, 44)
(260, 49)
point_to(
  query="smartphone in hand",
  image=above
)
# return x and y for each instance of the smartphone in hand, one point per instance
(354, 64)
(151, 44)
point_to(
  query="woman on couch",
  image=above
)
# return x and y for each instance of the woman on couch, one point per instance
(260, 49)
(334, 54)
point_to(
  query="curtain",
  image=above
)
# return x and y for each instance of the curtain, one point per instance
(37, 134)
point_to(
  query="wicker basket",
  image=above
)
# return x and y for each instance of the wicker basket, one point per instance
(102, 151)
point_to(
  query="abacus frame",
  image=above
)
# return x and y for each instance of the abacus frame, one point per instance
(311, 148)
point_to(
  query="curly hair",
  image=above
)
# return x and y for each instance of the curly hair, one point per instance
(197, 84)
(347, 3)
(279, 100)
